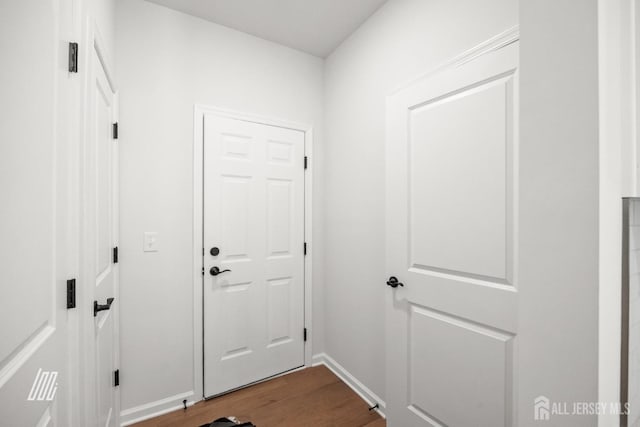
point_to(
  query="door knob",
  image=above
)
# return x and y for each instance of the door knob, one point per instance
(393, 282)
(215, 271)
(101, 307)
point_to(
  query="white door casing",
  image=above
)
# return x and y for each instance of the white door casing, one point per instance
(253, 202)
(451, 239)
(101, 228)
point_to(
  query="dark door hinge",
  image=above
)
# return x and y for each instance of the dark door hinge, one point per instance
(116, 378)
(115, 255)
(73, 57)
(115, 130)
(203, 271)
(71, 293)
(305, 334)
(305, 248)
(306, 162)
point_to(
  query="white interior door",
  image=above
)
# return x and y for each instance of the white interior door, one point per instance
(253, 227)
(37, 240)
(102, 186)
(451, 180)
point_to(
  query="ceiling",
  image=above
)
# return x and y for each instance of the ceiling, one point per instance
(313, 26)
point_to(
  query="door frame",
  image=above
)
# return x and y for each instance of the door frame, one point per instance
(198, 194)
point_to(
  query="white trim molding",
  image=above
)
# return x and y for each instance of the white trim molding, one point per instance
(10, 365)
(198, 143)
(496, 42)
(174, 403)
(157, 408)
(346, 377)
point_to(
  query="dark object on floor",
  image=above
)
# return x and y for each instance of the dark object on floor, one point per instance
(226, 422)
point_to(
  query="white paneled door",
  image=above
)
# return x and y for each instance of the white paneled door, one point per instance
(451, 233)
(103, 234)
(253, 252)
(38, 238)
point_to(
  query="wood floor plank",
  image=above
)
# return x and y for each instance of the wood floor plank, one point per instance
(377, 423)
(313, 397)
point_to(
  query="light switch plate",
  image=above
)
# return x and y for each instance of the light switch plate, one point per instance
(151, 241)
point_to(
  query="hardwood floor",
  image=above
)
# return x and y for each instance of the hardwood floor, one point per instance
(313, 397)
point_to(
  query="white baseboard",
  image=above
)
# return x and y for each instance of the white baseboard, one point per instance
(317, 359)
(157, 408)
(363, 391)
(173, 403)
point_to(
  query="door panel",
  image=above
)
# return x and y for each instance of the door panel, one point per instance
(104, 352)
(104, 143)
(457, 151)
(254, 214)
(441, 344)
(451, 327)
(279, 311)
(104, 214)
(236, 192)
(37, 237)
(279, 217)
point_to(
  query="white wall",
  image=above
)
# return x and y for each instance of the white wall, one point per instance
(168, 62)
(559, 206)
(404, 39)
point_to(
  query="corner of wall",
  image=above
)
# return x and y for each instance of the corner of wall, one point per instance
(361, 390)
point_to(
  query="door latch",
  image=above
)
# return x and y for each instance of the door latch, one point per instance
(215, 271)
(393, 282)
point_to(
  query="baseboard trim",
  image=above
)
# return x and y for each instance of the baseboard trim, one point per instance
(363, 391)
(317, 359)
(173, 403)
(157, 408)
